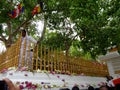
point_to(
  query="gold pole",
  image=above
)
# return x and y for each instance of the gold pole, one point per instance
(60, 61)
(37, 57)
(33, 61)
(52, 59)
(28, 62)
(44, 58)
(18, 50)
(57, 55)
(48, 59)
(24, 53)
(41, 57)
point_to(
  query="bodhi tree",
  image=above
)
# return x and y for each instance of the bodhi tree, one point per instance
(96, 22)
(56, 13)
(53, 14)
(16, 15)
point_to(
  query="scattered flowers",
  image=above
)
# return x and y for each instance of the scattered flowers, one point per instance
(45, 71)
(26, 75)
(31, 86)
(99, 84)
(39, 71)
(63, 80)
(57, 71)
(26, 82)
(10, 73)
(24, 69)
(4, 70)
(22, 82)
(21, 86)
(45, 86)
(103, 83)
(42, 82)
(68, 73)
(82, 85)
(28, 85)
(17, 83)
(12, 68)
(63, 72)
(52, 72)
(58, 76)
(82, 74)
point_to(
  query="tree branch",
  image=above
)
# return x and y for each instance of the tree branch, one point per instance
(43, 32)
(9, 30)
(9, 27)
(18, 28)
(74, 37)
(3, 38)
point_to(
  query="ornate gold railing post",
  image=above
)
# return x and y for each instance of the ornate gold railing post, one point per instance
(54, 61)
(28, 52)
(41, 57)
(36, 57)
(70, 65)
(33, 56)
(48, 59)
(57, 60)
(23, 54)
(44, 58)
(11, 56)
(18, 51)
(46, 66)
(60, 61)
(51, 59)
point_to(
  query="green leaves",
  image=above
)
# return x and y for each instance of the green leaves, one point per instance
(96, 22)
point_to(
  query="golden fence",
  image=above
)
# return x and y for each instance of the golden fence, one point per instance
(50, 59)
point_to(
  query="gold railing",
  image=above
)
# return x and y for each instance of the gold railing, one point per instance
(9, 58)
(50, 59)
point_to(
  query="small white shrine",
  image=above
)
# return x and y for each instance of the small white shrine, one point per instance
(112, 59)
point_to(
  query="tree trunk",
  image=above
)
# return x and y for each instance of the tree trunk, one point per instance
(67, 47)
(8, 42)
(43, 32)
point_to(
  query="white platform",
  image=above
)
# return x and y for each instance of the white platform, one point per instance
(52, 80)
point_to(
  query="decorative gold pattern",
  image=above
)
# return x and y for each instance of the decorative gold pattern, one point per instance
(50, 59)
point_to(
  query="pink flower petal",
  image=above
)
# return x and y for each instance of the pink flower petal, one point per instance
(58, 76)
(4, 70)
(21, 86)
(26, 75)
(63, 80)
(10, 73)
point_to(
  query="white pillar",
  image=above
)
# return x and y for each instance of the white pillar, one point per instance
(110, 68)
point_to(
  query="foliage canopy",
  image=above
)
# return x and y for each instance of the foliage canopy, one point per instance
(94, 24)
